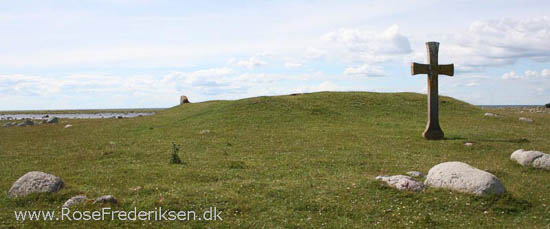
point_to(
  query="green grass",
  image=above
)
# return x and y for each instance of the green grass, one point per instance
(285, 161)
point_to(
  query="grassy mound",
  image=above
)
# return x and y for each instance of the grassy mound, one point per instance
(303, 160)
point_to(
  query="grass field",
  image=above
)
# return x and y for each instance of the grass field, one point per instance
(285, 161)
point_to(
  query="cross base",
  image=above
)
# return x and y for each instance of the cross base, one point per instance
(433, 133)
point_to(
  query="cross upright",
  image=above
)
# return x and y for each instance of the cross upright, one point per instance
(433, 69)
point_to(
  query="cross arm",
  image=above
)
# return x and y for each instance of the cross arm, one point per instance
(447, 69)
(417, 68)
(444, 69)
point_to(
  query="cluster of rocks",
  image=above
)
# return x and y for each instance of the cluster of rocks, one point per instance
(535, 159)
(455, 176)
(461, 177)
(29, 122)
(40, 182)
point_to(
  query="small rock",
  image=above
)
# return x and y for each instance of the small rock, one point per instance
(52, 120)
(204, 131)
(8, 124)
(184, 100)
(401, 182)
(491, 114)
(106, 199)
(468, 144)
(534, 159)
(136, 188)
(523, 119)
(68, 126)
(35, 182)
(75, 200)
(415, 174)
(27, 122)
(542, 162)
(461, 177)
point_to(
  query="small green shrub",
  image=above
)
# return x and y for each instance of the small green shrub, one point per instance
(175, 157)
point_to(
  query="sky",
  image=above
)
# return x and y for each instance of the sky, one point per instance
(145, 54)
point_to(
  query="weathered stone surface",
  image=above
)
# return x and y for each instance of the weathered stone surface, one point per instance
(535, 159)
(542, 162)
(461, 177)
(525, 158)
(524, 119)
(35, 182)
(184, 100)
(490, 114)
(68, 126)
(106, 199)
(80, 199)
(52, 119)
(415, 174)
(401, 182)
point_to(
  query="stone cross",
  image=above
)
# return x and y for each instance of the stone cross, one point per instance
(433, 69)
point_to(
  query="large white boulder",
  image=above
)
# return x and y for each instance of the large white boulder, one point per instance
(461, 177)
(35, 182)
(535, 159)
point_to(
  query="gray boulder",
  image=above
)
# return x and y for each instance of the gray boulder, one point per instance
(106, 199)
(534, 159)
(52, 119)
(401, 182)
(490, 114)
(35, 182)
(80, 199)
(461, 177)
(542, 162)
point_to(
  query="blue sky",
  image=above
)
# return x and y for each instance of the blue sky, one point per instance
(141, 53)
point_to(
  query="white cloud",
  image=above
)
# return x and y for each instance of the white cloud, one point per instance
(527, 75)
(357, 45)
(364, 70)
(499, 43)
(293, 65)
(250, 63)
